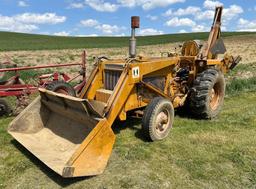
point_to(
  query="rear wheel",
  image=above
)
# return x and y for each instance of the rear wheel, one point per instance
(208, 96)
(61, 87)
(5, 108)
(158, 119)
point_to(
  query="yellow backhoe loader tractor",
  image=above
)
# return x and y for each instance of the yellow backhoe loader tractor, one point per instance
(73, 135)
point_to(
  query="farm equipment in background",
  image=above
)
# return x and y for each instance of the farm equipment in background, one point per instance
(15, 86)
(73, 135)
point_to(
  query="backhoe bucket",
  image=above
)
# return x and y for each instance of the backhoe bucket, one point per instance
(67, 134)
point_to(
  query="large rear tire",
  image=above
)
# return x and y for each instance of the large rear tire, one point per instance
(61, 87)
(5, 108)
(158, 118)
(207, 98)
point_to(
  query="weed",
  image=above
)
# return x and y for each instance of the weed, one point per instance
(240, 85)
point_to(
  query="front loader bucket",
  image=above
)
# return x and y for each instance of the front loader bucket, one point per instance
(67, 134)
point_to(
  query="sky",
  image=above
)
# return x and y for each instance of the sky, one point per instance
(112, 17)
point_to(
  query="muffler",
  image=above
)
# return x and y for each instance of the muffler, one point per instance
(135, 23)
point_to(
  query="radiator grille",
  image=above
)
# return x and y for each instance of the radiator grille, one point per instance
(111, 79)
(112, 74)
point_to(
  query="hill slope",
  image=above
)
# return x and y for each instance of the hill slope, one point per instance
(18, 41)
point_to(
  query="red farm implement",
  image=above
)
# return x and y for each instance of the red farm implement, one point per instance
(57, 81)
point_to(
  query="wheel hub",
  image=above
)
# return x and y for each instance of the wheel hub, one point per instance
(162, 121)
(214, 98)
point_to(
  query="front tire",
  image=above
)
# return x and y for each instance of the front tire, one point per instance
(61, 87)
(207, 98)
(158, 118)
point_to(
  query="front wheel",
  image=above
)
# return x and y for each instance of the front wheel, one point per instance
(61, 87)
(158, 118)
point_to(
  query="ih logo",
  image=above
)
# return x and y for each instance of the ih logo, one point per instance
(135, 72)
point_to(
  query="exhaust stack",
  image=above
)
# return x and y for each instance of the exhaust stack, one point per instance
(135, 23)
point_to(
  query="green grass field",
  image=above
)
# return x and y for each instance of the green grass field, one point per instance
(219, 153)
(17, 41)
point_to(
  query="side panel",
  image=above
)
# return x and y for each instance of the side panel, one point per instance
(134, 101)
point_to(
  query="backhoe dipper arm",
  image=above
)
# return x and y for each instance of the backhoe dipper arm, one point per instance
(214, 33)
